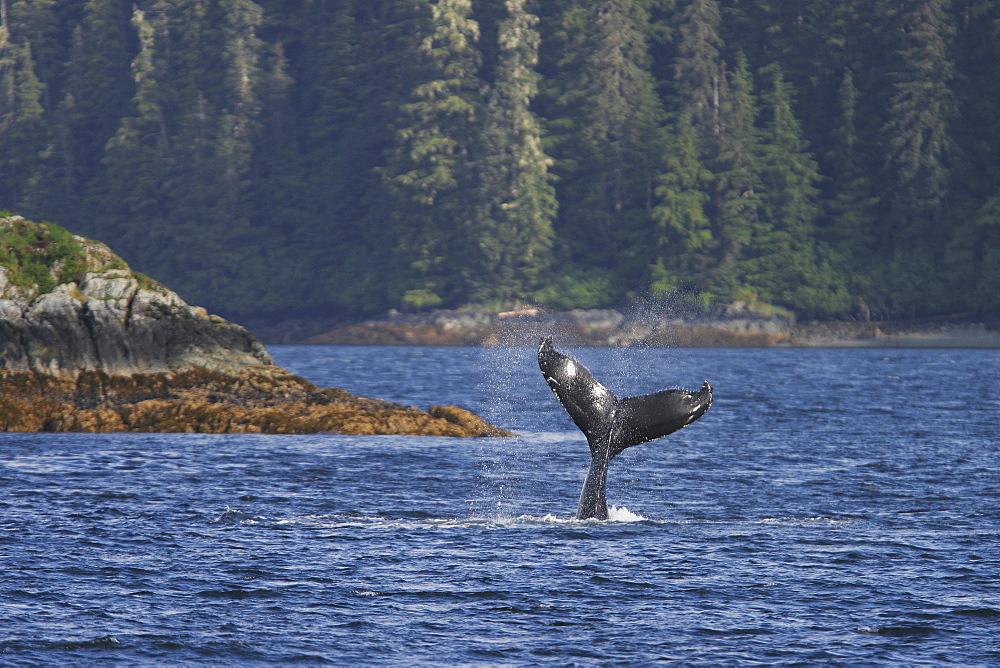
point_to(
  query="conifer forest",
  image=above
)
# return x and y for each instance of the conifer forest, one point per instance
(289, 158)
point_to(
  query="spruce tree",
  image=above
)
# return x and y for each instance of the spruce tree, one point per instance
(696, 67)
(783, 263)
(517, 199)
(36, 22)
(365, 149)
(853, 207)
(23, 133)
(243, 52)
(623, 111)
(135, 157)
(735, 202)
(605, 119)
(98, 87)
(972, 260)
(917, 134)
(683, 240)
(432, 168)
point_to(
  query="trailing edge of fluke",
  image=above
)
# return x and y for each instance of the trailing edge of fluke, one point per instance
(611, 424)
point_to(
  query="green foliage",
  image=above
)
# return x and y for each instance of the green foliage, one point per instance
(783, 258)
(39, 256)
(735, 151)
(683, 231)
(421, 299)
(661, 281)
(697, 65)
(517, 204)
(144, 282)
(270, 158)
(606, 129)
(431, 171)
(920, 110)
(578, 287)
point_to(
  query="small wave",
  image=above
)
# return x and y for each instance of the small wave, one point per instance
(984, 613)
(339, 521)
(236, 594)
(615, 514)
(899, 631)
(805, 521)
(104, 642)
(234, 516)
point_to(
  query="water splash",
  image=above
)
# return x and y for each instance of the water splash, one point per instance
(504, 460)
(234, 516)
(623, 514)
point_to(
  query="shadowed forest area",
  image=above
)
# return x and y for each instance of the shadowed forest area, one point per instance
(289, 159)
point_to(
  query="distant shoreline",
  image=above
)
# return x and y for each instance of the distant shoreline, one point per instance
(899, 335)
(601, 327)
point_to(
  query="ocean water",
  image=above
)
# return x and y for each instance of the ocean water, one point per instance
(833, 507)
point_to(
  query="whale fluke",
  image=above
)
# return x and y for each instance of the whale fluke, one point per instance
(610, 424)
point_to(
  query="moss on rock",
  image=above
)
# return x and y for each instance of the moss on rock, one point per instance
(88, 345)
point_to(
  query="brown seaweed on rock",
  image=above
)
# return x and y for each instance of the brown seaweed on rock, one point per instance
(263, 399)
(101, 348)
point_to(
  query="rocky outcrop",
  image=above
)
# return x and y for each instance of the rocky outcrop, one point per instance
(593, 327)
(464, 327)
(88, 345)
(110, 319)
(258, 399)
(736, 325)
(109, 322)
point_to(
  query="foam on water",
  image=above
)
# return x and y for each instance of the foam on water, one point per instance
(623, 514)
(615, 515)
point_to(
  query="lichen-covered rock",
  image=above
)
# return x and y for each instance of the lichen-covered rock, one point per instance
(102, 316)
(88, 345)
(467, 420)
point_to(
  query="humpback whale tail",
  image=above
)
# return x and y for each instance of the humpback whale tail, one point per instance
(610, 424)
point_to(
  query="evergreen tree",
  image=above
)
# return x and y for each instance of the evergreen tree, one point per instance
(683, 240)
(782, 262)
(432, 168)
(735, 199)
(518, 201)
(696, 67)
(812, 40)
(135, 157)
(853, 208)
(972, 260)
(918, 141)
(242, 54)
(362, 152)
(97, 91)
(977, 93)
(623, 111)
(35, 23)
(605, 119)
(23, 131)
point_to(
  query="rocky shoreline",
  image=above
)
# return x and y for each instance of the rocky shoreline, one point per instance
(734, 326)
(259, 400)
(88, 345)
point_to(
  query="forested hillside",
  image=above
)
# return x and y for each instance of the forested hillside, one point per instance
(287, 158)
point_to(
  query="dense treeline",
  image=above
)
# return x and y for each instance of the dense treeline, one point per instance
(279, 157)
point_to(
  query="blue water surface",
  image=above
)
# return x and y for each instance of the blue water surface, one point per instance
(833, 507)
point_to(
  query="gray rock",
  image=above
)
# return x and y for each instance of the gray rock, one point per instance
(109, 322)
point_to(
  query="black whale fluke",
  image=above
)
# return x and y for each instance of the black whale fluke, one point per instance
(611, 424)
